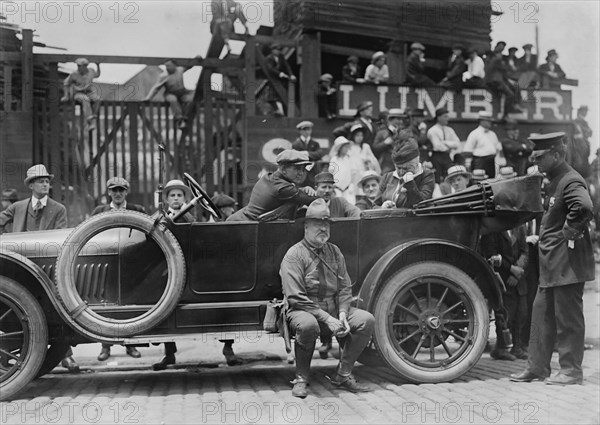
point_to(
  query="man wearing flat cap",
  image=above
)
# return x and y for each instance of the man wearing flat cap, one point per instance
(456, 67)
(79, 87)
(566, 263)
(326, 97)
(482, 146)
(443, 139)
(318, 296)
(383, 143)
(410, 183)
(415, 67)
(281, 192)
(305, 142)
(516, 150)
(117, 189)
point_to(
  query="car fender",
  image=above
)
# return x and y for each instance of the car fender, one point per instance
(450, 252)
(27, 266)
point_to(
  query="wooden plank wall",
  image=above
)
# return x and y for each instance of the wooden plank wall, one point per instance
(436, 23)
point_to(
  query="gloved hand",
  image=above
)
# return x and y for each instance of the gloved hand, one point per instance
(408, 177)
(532, 239)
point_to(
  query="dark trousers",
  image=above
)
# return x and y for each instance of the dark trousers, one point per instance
(532, 275)
(487, 163)
(557, 317)
(307, 329)
(170, 348)
(441, 162)
(516, 308)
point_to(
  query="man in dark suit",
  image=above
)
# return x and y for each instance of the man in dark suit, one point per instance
(527, 68)
(516, 150)
(364, 114)
(415, 67)
(456, 67)
(566, 263)
(305, 142)
(511, 252)
(280, 72)
(383, 143)
(39, 212)
(551, 72)
(281, 192)
(118, 188)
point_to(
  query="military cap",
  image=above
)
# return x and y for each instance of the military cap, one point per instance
(176, 184)
(324, 177)
(117, 182)
(221, 201)
(292, 157)
(304, 124)
(544, 142)
(417, 46)
(407, 150)
(317, 210)
(36, 172)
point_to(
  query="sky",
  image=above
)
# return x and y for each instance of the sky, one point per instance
(181, 29)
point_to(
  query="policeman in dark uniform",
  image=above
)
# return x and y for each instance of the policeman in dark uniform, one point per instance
(566, 263)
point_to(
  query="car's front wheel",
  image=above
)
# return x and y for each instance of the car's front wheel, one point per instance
(23, 337)
(432, 322)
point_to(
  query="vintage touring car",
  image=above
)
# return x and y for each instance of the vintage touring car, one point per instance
(125, 277)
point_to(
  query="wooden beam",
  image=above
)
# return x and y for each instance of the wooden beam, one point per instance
(346, 51)
(134, 60)
(264, 39)
(310, 71)
(250, 68)
(27, 71)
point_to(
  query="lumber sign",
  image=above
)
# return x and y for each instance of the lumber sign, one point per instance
(539, 105)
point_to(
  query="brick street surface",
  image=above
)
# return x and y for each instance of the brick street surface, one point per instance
(201, 388)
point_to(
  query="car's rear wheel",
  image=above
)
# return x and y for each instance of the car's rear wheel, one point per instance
(108, 327)
(432, 322)
(23, 337)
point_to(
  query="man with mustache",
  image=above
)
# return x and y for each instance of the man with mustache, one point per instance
(318, 294)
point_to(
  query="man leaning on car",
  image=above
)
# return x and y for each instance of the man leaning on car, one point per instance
(117, 188)
(318, 293)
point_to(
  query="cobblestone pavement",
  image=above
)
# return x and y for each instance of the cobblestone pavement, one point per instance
(126, 390)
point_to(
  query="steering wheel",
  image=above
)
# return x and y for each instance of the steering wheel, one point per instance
(200, 197)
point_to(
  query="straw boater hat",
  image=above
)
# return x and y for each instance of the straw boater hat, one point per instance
(479, 175)
(457, 170)
(177, 184)
(396, 113)
(36, 172)
(507, 173)
(485, 116)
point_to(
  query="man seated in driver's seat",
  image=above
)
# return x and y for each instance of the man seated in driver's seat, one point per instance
(176, 193)
(280, 190)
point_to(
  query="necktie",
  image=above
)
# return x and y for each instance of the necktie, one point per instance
(37, 208)
(322, 278)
